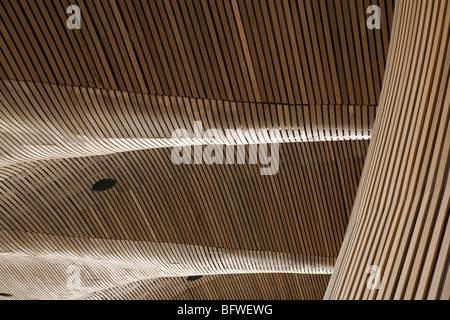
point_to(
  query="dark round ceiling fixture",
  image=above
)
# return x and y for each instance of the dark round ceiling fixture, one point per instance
(104, 184)
(193, 278)
(5, 295)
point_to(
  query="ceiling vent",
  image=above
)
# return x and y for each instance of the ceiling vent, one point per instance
(104, 184)
(5, 295)
(193, 278)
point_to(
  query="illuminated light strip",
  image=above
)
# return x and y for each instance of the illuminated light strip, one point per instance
(83, 146)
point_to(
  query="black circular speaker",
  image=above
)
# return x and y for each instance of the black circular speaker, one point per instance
(104, 184)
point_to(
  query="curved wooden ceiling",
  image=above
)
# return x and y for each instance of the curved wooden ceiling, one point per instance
(265, 286)
(78, 106)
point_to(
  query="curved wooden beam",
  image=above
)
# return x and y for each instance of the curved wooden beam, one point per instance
(400, 220)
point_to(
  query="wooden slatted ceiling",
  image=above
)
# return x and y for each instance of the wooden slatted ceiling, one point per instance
(305, 206)
(75, 121)
(156, 201)
(39, 266)
(139, 69)
(223, 287)
(291, 52)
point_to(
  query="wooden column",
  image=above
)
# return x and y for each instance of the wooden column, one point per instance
(400, 219)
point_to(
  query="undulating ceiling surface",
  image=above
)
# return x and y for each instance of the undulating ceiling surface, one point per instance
(273, 286)
(78, 106)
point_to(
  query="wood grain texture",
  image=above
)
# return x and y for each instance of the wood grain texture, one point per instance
(400, 218)
(78, 106)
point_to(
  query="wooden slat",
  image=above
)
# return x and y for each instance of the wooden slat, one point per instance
(77, 106)
(399, 221)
